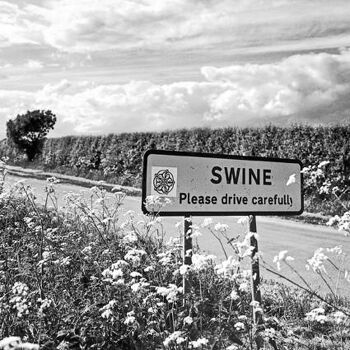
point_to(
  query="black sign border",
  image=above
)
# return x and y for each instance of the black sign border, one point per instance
(217, 156)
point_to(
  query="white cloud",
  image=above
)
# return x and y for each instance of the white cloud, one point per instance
(156, 24)
(93, 25)
(20, 25)
(300, 86)
(295, 85)
(34, 65)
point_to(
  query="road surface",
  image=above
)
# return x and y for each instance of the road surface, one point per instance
(275, 234)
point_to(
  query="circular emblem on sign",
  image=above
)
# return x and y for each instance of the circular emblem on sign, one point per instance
(163, 181)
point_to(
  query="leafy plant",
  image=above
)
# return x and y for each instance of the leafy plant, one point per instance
(28, 131)
(96, 277)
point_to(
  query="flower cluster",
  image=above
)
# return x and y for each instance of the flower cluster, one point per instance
(15, 343)
(316, 263)
(319, 315)
(20, 298)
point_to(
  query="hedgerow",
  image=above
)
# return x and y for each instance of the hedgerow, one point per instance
(117, 158)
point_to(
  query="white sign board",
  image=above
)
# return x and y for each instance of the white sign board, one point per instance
(210, 184)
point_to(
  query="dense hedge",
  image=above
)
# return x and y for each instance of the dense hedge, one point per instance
(118, 157)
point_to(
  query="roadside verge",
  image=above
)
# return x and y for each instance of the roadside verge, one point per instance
(74, 180)
(311, 218)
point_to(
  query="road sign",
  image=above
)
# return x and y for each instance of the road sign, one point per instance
(210, 184)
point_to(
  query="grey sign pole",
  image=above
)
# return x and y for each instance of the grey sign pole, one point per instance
(255, 281)
(256, 293)
(187, 250)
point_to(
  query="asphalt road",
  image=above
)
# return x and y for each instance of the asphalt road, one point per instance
(275, 234)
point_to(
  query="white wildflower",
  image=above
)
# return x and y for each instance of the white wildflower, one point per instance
(317, 261)
(221, 227)
(339, 317)
(148, 269)
(243, 220)
(180, 340)
(130, 318)
(244, 287)
(172, 338)
(228, 267)
(44, 304)
(234, 295)
(188, 320)
(202, 262)
(195, 344)
(134, 255)
(207, 222)
(108, 310)
(19, 299)
(333, 220)
(269, 333)
(155, 203)
(10, 342)
(184, 269)
(139, 286)
(316, 315)
(239, 326)
(232, 347)
(323, 164)
(338, 250)
(282, 257)
(171, 292)
(135, 274)
(130, 237)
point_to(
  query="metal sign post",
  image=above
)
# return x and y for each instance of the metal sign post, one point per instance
(187, 251)
(256, 293)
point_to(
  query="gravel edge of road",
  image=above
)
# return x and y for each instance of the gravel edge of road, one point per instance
(74, 180)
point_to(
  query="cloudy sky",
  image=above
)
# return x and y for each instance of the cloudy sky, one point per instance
(107, 66)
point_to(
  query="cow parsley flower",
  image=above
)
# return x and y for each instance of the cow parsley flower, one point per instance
(232, 347)
(184, 269)
(171, 292)
(317, 315)
(269, 333)
(228, 267)
(243, 220)
(221, 227)
(19, 299)
(195, 344)
(130, 318)
(207, 222)
(234, 295)
(316, 263)
(134, 255)
(135, 274)
(339, 317)
(282, 257)
(323, 164)
(188, 320)
(201, 262)
(172, 338)
(107, 310)
(239, 326)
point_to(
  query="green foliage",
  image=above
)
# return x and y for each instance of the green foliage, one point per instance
(93, 277)
(27, 131)
(118, 158)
